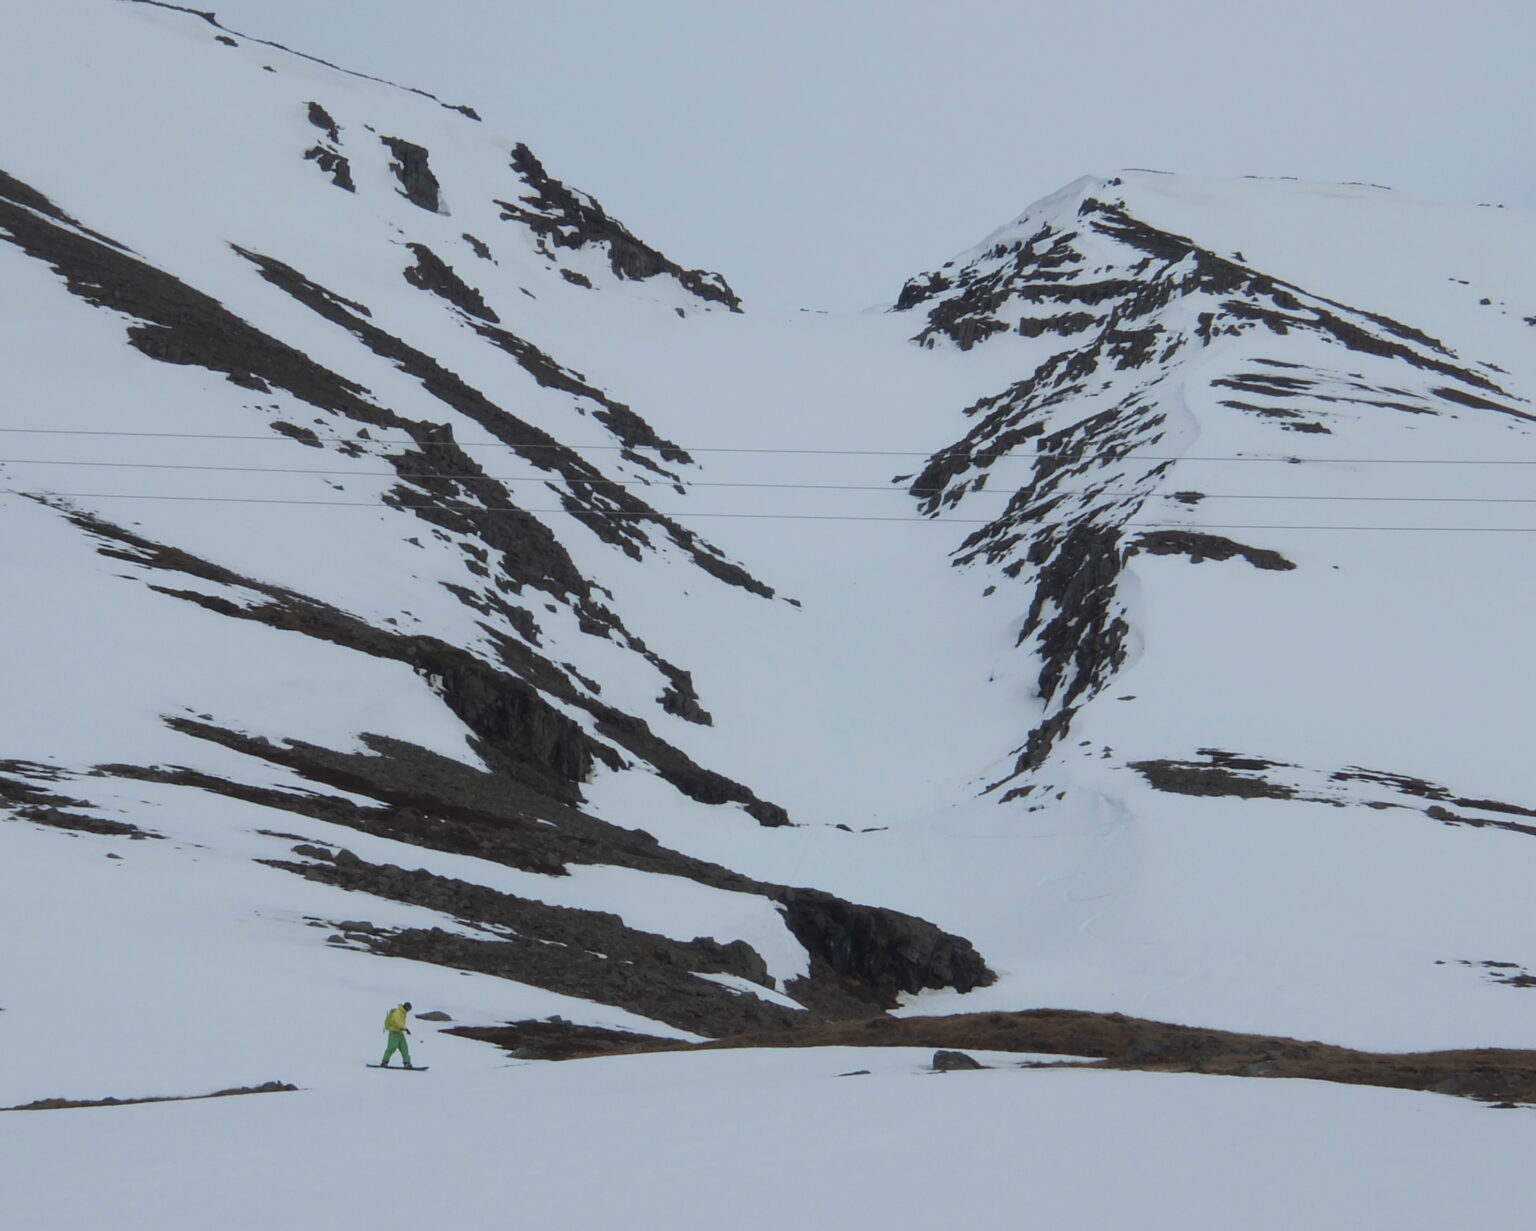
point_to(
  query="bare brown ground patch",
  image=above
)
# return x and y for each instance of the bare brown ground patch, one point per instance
(1500, 1075)
(64, 1104)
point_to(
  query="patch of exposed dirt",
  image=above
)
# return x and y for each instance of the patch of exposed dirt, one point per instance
(62, 1104)
(1118, 1041)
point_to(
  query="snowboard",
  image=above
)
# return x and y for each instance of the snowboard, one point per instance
(415, 1068)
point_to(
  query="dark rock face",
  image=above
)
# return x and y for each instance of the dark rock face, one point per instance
(516, 728)
(564, 218)
(333, 164)
(1233, 777)
(861, 956)
(321, 119)
(1200, 547)
(432, 273)
(417, 183)
(588, 954)
(879, 949)
(1245, 777)
(955, 1062)
(23, 797)
(327, 155)
(607, 509)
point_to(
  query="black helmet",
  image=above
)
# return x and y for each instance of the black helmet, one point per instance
(405, 1004)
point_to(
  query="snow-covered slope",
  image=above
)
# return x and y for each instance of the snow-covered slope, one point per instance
(419, 587)
(324, 534)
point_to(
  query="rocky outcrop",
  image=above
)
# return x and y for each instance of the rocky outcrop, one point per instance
(592, 955)
(432, 273)
(1201, 547)
(883, 951)
(516, 729)
(24, 797)
(564, 218)
(1130, 301)
(412, 168)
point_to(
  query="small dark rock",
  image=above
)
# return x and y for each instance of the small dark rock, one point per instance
(954, 1062)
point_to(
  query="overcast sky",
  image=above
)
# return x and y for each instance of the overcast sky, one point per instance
(819, 152)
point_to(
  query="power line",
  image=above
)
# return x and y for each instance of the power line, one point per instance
(1377, 499)
(1416, 529)
(377, 506)
(663, 484)
(662, 447)
(468, 444)
(658, 484)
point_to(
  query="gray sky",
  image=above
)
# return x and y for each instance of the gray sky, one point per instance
(819, 152)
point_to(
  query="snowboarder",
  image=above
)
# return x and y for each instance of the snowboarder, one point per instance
(394, 1023)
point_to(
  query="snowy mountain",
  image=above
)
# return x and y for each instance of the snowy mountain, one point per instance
(420, 587)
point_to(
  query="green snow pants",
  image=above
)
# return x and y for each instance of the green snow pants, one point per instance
(397, 1043)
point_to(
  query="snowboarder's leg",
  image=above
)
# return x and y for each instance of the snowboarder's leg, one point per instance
(405, 1050)
(396, 1043)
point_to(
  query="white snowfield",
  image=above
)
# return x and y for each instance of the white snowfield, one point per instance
(774, 1139)
(1374, 859)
